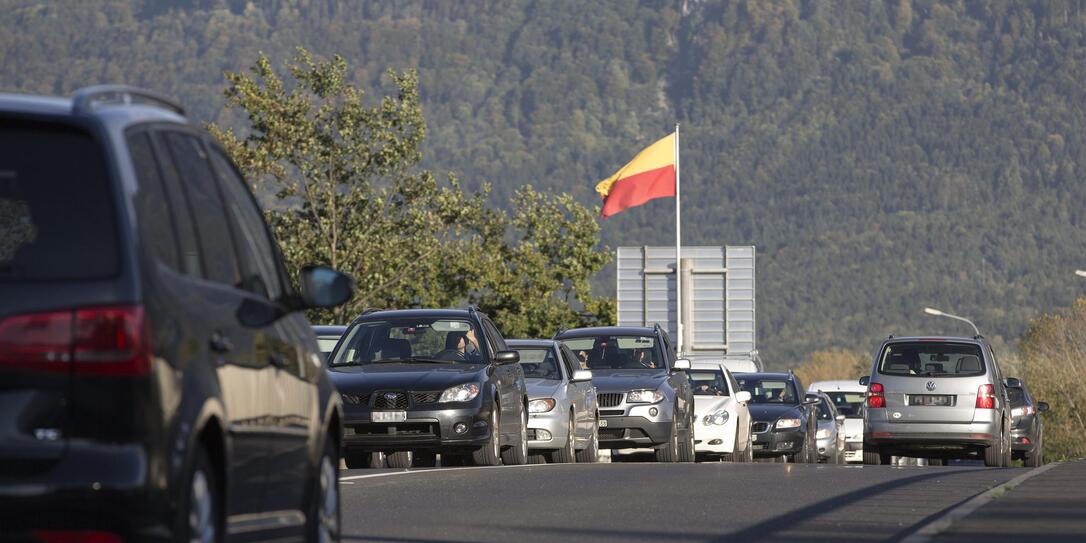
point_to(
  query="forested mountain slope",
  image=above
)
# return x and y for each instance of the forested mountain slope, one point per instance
(882, 155)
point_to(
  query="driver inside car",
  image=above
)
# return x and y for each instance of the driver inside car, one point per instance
(461, 346)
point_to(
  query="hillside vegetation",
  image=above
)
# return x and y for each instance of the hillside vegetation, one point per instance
(882, 155)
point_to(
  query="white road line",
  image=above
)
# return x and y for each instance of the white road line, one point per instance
(444, 470)
(946, 520)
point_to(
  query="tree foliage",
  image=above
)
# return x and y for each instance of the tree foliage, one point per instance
(833, 365)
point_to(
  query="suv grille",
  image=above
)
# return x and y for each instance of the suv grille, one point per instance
(609, 399)
(361, 399)
(390, 400)
(759, 427)
(424, 397)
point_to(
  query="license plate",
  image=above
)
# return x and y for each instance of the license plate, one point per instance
(388, 416)
(938, 400)
(754, 437)
(603, 423)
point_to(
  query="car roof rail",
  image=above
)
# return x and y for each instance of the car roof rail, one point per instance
(84, 99)
(558, 333)
(891, 336)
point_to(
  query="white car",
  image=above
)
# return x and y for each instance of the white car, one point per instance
(722, 420)
(848, 397)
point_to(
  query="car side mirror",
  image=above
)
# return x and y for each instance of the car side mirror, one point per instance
(581, 376)
(1012, 382)
(502, 358)
(840, 418)
(322, 286)
(812, 399)
(1042, 406)
(865, 380)
(742, 396)
(681, 364)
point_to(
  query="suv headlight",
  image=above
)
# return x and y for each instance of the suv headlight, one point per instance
(720, 418)
(541, 405)
(644, 396)
(822, 434)
(788, 423)
(460, 393)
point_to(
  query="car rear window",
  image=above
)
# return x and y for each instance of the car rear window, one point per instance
(56, 210)
(931, 359)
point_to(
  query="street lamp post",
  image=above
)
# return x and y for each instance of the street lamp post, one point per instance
(937, 313)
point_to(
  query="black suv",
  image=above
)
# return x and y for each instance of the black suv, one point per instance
(783, 419)
(644, 394)
(419, 382)
(158, 381)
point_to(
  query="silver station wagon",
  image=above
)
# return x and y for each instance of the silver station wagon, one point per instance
(937, 398)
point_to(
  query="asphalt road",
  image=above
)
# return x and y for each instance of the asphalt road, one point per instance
(655, 502)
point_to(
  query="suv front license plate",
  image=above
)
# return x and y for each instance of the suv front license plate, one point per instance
(603, 423)
(388, 416)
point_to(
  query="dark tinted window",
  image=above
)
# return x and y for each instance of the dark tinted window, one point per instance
(152, 205)
(708, 383)
(220, 260)
(539, 363)
(495, 336)
(255, 253)
(931, 359)
(180, 210)
(1016, 396)
(56, 205)
(849, 404)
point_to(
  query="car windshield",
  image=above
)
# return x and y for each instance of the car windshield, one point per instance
(327, 344)
(849, 404)
(414, 339)
(824, 412)
(539, 363)
(768, 390)
(618, 352)
(708, 383)
(931, 359)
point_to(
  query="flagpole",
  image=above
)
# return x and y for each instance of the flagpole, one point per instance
(678, 255)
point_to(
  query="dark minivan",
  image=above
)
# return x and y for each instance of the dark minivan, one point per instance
(158, 381)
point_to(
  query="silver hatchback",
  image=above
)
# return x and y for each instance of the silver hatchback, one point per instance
(937, 398)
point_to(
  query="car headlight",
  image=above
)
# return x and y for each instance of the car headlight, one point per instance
(643, 396)
(788, 423)
(823, 433)
(719, 418)
(541, 405)
(460, 393)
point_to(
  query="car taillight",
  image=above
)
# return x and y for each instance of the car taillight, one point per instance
(875, 398)
(109, 340)
(986, 397)
(1023, 411)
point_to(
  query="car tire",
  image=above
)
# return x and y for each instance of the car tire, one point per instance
(323, 517)
(364, 460)
(567, 454)
(517, 454)
(591, 453)
(490, 454)
(669, 452)
(687, 452)
(424, 459)
(537, 459)
(935, 461)
(200, 513)
(400, 459)
(995, 456)
(875, 457)
(1036, 458)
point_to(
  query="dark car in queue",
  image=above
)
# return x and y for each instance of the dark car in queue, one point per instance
(158, 379)
(645, 397)
(421, 382)
(784, 424)
(328, 336)
(1027, 426)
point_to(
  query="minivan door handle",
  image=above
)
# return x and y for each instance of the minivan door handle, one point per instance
(220, 343)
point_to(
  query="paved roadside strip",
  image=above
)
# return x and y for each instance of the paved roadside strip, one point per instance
(1049, 505)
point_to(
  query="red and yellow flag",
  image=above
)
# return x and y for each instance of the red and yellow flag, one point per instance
(650, 175)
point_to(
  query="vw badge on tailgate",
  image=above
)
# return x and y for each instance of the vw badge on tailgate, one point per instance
(930, 386)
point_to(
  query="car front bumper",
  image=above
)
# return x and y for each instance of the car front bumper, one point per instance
(778, 442)
(714, 438)
(548, 431)
(854, 451)
(426, 428)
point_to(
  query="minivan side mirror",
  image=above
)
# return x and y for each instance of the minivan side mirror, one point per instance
(502, 358)
(1012, 382)
(322, 286)
(681, 364)
(742, 396)
(581, 376)
(1042, 406)
(865, 380)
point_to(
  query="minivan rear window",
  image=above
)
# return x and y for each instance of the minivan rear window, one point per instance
(56, 210)
(931, 359)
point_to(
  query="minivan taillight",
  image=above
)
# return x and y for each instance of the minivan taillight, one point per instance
(875, 398)
(986, 397)
(110, 340)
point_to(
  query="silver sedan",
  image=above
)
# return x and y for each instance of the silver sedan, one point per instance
(563, 418)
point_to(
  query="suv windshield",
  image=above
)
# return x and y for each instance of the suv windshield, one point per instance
(56, 209)
(708, 383)
(931, 359)
(433, 339)
(848, 404)
(618, 352)
(539, 363)
(769, 390)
